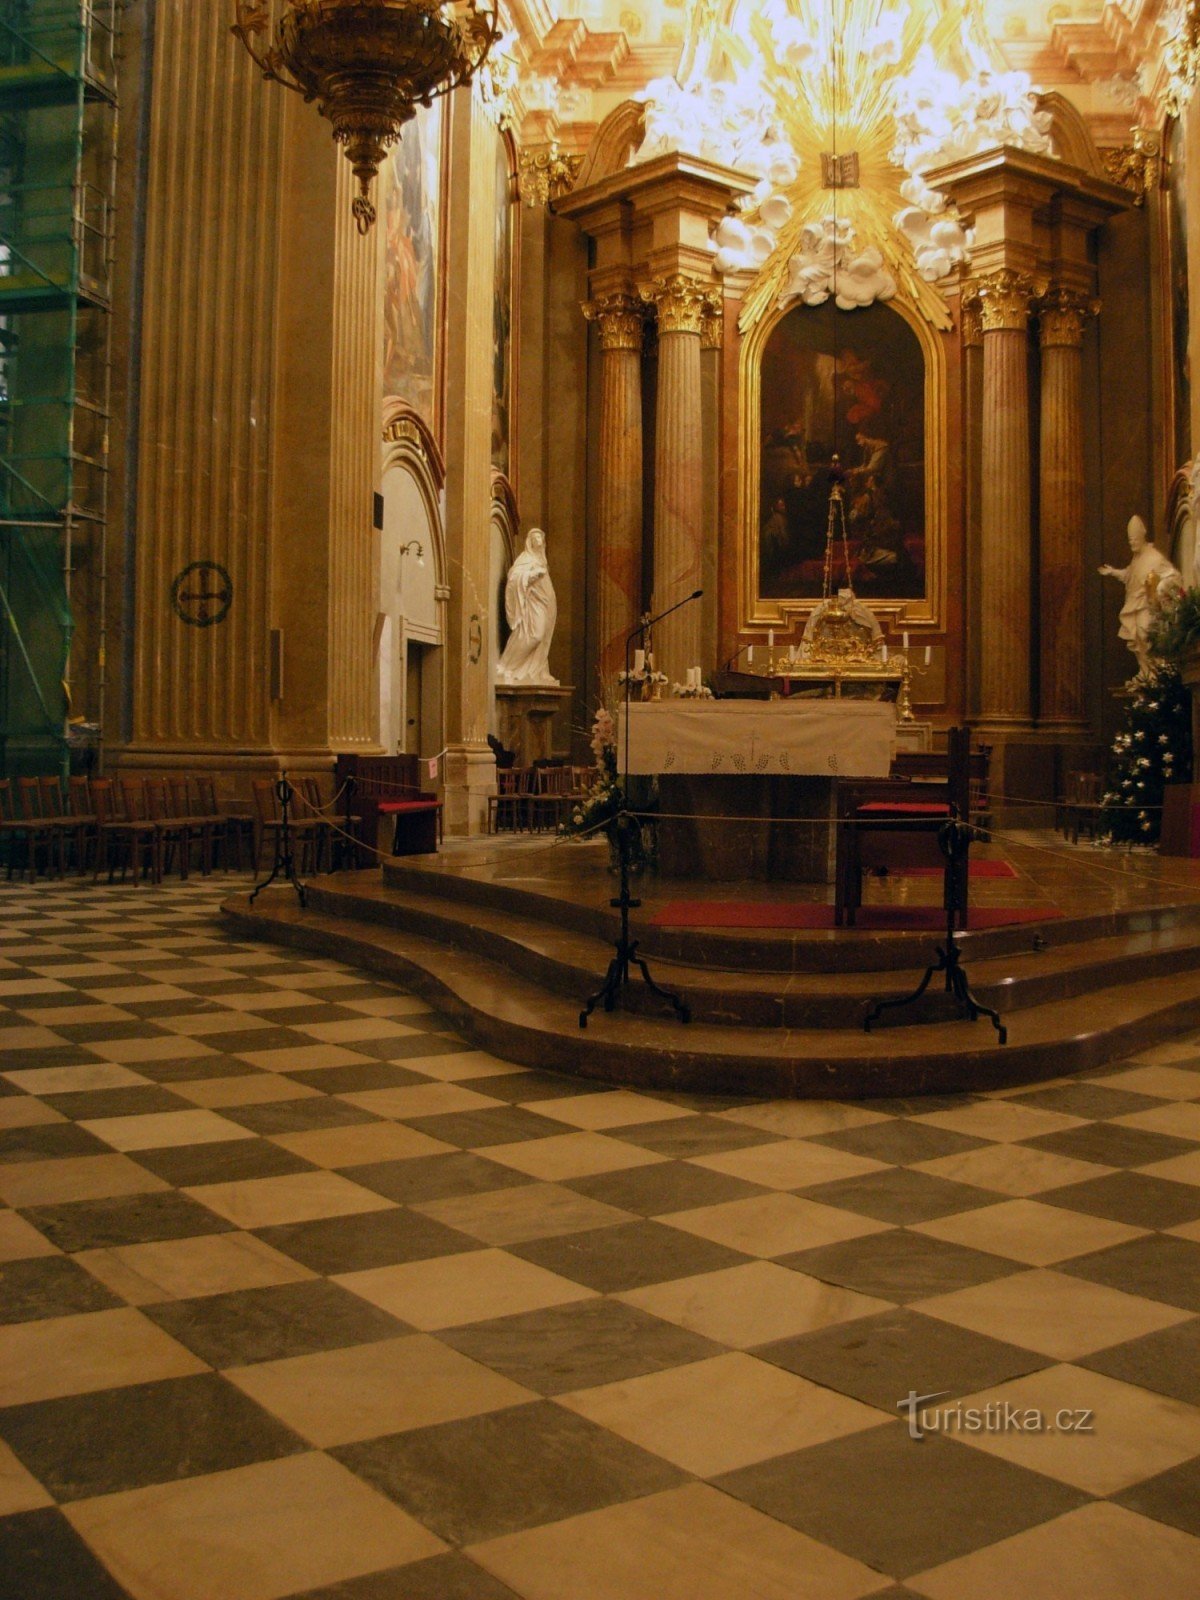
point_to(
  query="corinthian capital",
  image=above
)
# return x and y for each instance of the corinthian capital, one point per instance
(1006, 298)
(1062, 314)
(712, 321)
(680, 301)
(620, 319)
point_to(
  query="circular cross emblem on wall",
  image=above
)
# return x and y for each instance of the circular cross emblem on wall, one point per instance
(202, 594)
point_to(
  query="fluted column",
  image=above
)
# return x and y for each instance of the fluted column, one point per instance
(1005, 520)
(678, 468)
(972, 352)
(1062, 315)
(620, 319)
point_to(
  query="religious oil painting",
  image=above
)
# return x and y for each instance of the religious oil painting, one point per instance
(411, 308)
(502, 313)
(1177, 259)
(850, 383)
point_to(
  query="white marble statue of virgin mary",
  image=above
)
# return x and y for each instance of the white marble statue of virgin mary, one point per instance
(532, 611)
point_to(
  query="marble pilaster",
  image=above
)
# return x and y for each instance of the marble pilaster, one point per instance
(1061, 317)
(680, 301)
(620, 318)
(1005, 511)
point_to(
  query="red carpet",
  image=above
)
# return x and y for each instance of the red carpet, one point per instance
(976, 869)
(747, 914)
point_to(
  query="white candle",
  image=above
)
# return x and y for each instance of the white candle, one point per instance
(649, 660)
(905, 639)
(885, 652)
(928, 655)
(770, 638)
(695, 677)
(749, 654)
(639, 661)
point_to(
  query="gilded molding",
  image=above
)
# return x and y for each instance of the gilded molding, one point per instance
(1136, 166)
(1006, 298)
(971, 320)
(1181, 56)
(1062, 315)
(545, 173)
(680, 301)
(621, 320)
(712, 321)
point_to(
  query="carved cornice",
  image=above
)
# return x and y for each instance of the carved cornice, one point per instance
(1136, 166)
(621, 320)
(1006, 298)
(712, 321)
(545, 173)
(971, 319)
(407, 427)
(680, 301)
(1062, 315)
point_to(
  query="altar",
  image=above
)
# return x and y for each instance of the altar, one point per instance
(747, 789)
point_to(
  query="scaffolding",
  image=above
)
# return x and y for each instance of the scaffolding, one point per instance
(57, 180)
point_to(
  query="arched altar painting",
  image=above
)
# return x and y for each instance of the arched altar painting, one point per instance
(411, 300)
(851, 382)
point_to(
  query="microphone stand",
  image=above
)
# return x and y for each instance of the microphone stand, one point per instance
(627, 826)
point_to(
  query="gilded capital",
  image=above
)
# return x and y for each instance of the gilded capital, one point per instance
(680, 301)
(971, 319)
(620, 318)
(1005, 299)
(1136, 166)
(1062, 314)
(712, 321)
(546, 173)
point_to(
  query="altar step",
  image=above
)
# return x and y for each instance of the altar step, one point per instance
(516, 992)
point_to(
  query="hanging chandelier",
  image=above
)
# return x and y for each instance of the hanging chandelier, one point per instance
(368, 64)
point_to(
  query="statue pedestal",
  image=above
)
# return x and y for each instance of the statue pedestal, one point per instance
(526, 713)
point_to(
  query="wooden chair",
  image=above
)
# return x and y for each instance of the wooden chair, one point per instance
(185, 805)
(894, 822)
(551, 795)
(268, 823)
(228, 828)
(14, 830)
(128, 833)
(308, 809)
(507, 808)
(41, 831)
(176, 831)
(83, 815)
(1082, 805)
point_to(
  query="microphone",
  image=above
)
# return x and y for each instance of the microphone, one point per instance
(747, 645)
(649, 622)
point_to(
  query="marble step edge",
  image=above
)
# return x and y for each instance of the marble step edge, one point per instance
(564, 962)
(817, 950)
(515, 1020)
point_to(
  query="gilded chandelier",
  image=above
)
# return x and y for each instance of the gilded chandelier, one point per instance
(368, 64)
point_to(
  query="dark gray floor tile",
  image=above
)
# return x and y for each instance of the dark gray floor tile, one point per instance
(1136, 1198)
(424, 1044)
(1167, 1362)
(117, 1439)
(436, 1177)
(49, 1286)
(883, 1358)
(665, 1187)
(449, 1577)
(49, 1141)
(518, 1468)
(125, 1219)
(520, 1087)
(140, 1100)
(899, 1141)
(193, 1068)
(692, 1136)
(288, 1319)
(1173, 1497)
(298, 1116)
(1093, 1100)
(579, 1346)
(900, 1196)
(898, 1265)
(475, 1130)
(239, 1159)
(366, 1239)
(1158, 1268)
(43, 1558)
(630, 1255)
(247, 1041)
(1111, 1144)
(357, 1076)
(942, 1499)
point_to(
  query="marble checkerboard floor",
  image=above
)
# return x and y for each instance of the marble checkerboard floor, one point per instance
(302, 1296)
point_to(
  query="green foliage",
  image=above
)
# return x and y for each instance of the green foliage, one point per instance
(1153, 749)
(1176, 630)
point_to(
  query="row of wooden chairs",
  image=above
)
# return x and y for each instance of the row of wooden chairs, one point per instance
(141, 825)
(534, 799)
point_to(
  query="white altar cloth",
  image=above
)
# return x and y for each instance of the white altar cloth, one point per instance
(774, 738)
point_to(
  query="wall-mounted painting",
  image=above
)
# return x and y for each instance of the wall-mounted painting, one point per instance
(1178, 310)
(850, 383)
(412, 295)
(502, 315)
